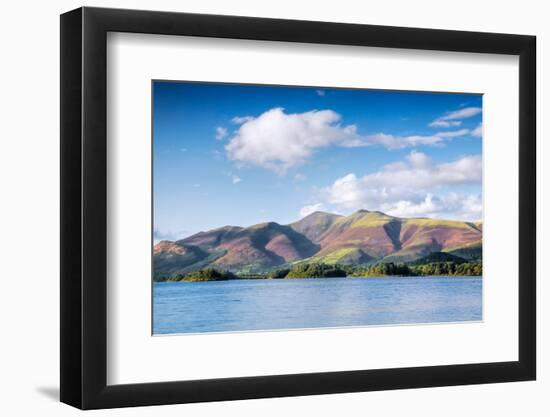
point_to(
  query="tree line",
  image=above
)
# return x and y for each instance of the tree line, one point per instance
(207, 274)
(321, 270)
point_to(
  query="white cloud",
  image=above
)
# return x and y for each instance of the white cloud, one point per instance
(418, 160)
(463, 113)
(278, 141)
(307, 210)
(399, 142)
(453, 205)
(241, 119)
(453, 134)
(235, 179)
(408, 208)
(320, 93)
(452, 119)
(221, 132)
(299, 177)
(445, 123)
(408, 188)
(478, 131)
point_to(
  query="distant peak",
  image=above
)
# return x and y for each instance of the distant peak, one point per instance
(319, 213)
(371, 212)
(228, 227)
(264, 225)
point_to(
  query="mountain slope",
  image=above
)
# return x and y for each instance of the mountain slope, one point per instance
(420, 237)
(315, 225)
(172, 257)
(375, 234)
(360, 238)
(212, 238)
(440, 257)
(470, 251)
(263, 246)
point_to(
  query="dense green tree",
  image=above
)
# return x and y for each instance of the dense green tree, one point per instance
(449, 268)
(208, 274)
(382, 269)
(316, 270)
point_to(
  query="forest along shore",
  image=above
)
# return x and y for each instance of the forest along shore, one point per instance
(319, 270)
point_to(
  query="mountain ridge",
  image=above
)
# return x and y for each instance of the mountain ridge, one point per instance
(361, 238)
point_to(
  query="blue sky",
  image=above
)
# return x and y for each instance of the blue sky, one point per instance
(244, 154)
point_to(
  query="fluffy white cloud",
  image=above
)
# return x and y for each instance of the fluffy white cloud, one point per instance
(453, 119)
(221, 132)
(409, 188)
(235, 179)
(277, 140)
(453, 206)
(307, 210)
(408, 208)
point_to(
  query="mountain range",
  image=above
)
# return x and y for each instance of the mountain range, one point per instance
(362, 238)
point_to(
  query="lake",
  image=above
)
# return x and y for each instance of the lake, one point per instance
(276, 304)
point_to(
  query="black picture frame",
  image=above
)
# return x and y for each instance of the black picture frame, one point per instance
(84, 207)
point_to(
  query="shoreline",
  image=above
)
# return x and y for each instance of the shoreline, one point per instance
(320, 278)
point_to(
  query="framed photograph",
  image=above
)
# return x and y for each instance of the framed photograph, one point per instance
(257, 208)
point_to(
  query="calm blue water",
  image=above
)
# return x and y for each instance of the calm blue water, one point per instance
(240, 305)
